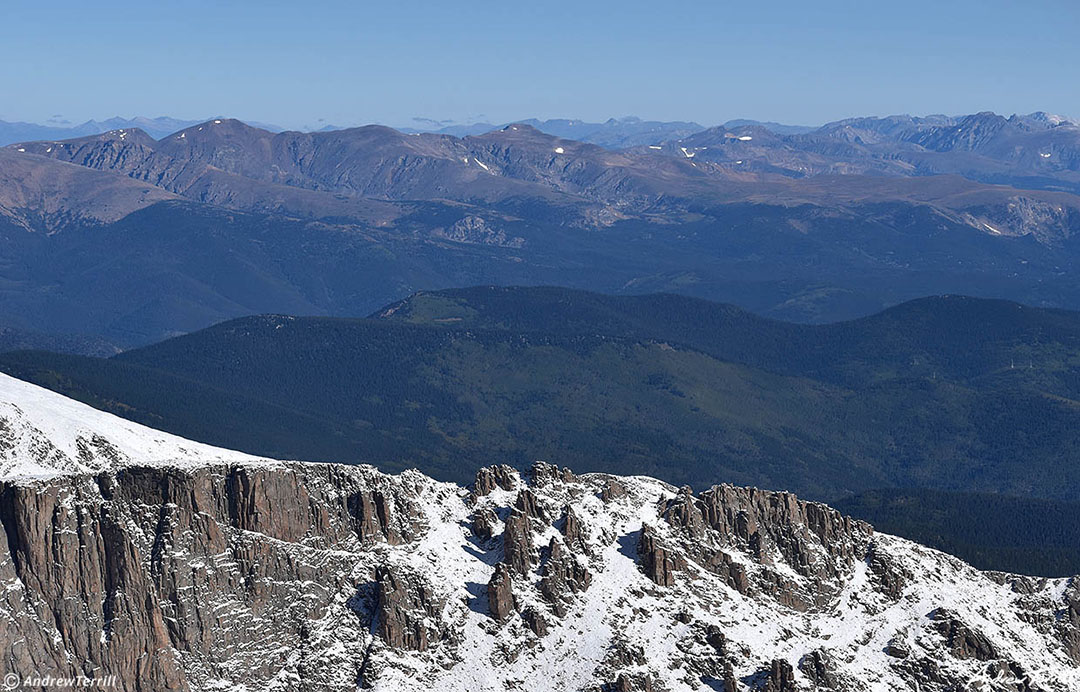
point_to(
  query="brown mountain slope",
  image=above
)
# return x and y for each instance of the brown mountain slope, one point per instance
(40, 193)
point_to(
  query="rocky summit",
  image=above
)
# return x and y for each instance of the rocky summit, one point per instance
(171, 565)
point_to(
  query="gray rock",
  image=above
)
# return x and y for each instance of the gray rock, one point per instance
(518, 549)
(659, 563)
(500, 593)
(491, 477)
(563, 577)
(963, 641)
(780, 677)
(613, 490)
(406, 605)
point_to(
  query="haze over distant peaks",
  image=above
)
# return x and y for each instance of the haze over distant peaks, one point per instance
(613, 133)
(12, 132)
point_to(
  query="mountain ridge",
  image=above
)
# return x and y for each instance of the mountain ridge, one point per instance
(343, 222)
(678, 388)
(12, 132)
(394, 582)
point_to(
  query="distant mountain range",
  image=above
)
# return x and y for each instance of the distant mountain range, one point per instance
(615, 133)
(11, 132)
(124, 237)
(1037, 151)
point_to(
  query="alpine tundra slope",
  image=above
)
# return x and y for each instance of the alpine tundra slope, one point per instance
(174, 565)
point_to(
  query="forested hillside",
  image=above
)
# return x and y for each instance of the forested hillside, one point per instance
(951, 393)
(1011, 534)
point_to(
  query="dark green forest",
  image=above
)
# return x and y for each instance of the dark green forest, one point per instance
(1011, 534)
(954, 395)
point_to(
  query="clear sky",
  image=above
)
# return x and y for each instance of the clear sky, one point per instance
(314, 62)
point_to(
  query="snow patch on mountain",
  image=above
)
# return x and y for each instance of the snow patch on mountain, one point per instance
(44, 434)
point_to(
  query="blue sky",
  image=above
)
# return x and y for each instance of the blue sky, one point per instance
(310, 63)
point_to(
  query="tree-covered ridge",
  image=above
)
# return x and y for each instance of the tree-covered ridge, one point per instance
(951, 393)
(956, 337)
(1006, 533)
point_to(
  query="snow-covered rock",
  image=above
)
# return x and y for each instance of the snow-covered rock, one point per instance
(43, 434)
(173, 565)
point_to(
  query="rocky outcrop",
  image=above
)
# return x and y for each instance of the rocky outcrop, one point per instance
(83, 569)
(536, 620)
(476, 231)
(278, 577)
(500, 593)
(491, 477)
(152, 574)
(484, 522)
(716, 639)
(897, 649)
(542, 474)
(730, 684)
(518, 549)
(762, 521)
(889, 577)
(564, 575)
(818, 669)
(814, 541)
(963, 641)
(629, 683)
(323, 562)
(527, 504)
(657, 562)
(780, 677)
(573, 530)
(1070, 619)
(407, 611)
(612, 490)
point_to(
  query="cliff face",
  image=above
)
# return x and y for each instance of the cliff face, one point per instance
(172, 579)
(232, 573)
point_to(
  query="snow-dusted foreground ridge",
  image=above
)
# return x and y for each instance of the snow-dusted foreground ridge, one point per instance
(43, 434)
(175, 566)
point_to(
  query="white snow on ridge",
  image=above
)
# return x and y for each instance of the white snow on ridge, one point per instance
(622, 605)
(44, 434)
